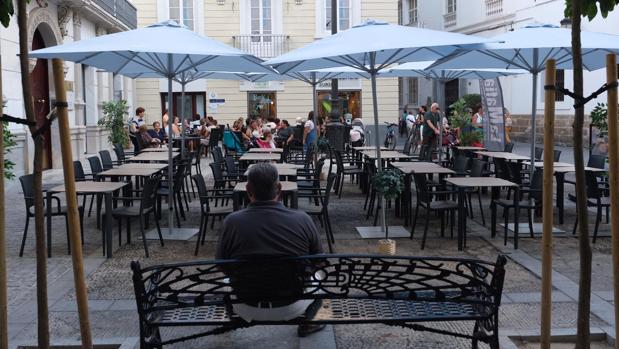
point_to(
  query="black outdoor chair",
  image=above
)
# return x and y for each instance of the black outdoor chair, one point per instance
(557, 155)
(137, 145)
(426, 199)
(532, 203)
(207, 210)
(106, 160)
(95, 168)
(352, 168)
(177, 188)
(538, 153)
(461, 165)
(322, 211)
(141, 212)
(594, 198)
(509, 147)
(213, 140)
(27, 185)
(81, 176)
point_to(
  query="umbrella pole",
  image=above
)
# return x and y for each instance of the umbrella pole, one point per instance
(547, 212)
(533, 109)
(183, 117)
(4, 335)
(81, 292)
(379, 165)
(170, 145)
(314, 109)
(613, 157)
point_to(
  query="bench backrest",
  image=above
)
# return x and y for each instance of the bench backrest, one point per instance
(318, 277)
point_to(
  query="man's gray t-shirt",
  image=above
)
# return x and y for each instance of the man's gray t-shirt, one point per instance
(268, 229)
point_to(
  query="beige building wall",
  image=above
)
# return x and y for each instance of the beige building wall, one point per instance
(298, 22)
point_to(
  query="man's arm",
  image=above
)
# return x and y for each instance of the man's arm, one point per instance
(222, 250)
(306, 131)
(429, 122)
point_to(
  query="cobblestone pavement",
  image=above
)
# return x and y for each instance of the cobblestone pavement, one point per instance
(112, 307)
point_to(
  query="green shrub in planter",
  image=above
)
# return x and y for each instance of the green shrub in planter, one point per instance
(114, 120)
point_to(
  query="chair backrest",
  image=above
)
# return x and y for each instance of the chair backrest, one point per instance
(537, 185)
(27, 187)
(509, 147)
(95, 165)
(222, 128)
(120, 153)
(339, 161)
(596, 161)
(218, 156)
(461, 164)
(477, 168)
(179, 175)
(149, 193)
(329, 187)
(501, 169)
(106, 159)
(309, 157)
(78, 170)
(557, 155)
(202, 190)
(538, 153)
(137, 145)
(593, 188)
(421, 186)
(231, 167)
(217, 173)
(515, 172)
(214, 137)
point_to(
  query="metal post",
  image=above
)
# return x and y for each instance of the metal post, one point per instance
(379, 165)
(613, 158)
(547, 213)
(170, 144)
(534, 107)
(335, 100)
(183, 83)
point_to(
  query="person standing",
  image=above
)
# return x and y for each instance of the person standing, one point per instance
(309, 132)
(137, 120)
(431, 126)
(508, 125)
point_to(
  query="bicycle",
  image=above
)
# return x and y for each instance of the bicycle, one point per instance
(414, 138)
(390, 139)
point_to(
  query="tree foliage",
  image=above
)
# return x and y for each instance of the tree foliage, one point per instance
(8, 142)
(114, 121)
(591, 7)
(6, 11)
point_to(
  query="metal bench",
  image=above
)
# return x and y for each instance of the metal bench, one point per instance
(347, 289)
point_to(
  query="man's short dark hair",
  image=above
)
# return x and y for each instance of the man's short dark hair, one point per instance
(139, 110)
(286, 123)
(263, 180)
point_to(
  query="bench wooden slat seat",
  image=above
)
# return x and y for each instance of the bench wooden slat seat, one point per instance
(347, 289)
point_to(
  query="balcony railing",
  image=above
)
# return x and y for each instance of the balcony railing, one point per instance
(122, 10)
(262, 46)
(449, 19)
(494, 7)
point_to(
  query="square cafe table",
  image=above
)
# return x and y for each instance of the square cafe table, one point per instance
(282, 171)
(158, 150)
(289, 188)
(462, 183)
(503, 155)
(266, 150)
(153, 157)
(88, 187)
(257, 157)
(143, 165)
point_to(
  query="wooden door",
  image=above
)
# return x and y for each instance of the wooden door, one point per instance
(39, 79)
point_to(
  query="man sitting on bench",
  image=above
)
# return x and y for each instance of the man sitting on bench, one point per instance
(266, 228)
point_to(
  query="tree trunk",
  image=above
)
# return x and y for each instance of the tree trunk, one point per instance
(584, 287)
(41, 253)
(4, 336)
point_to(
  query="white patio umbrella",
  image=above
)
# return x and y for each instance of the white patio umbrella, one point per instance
(529, 48)
(165, 50)
(370, 47)
(442, 76)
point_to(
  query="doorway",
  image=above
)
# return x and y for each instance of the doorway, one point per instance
(452, 92)
(195, 104)
(39, 78)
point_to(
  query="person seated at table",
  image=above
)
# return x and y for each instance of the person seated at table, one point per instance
(253, 130)
(237, 125)
(176, 130)
(267, 139)
(146, 139)
(165, 119)
(158, 132)
(136, 121)
(275, 231)
(285, 133)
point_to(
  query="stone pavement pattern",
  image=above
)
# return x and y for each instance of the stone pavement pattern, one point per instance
(112, 306)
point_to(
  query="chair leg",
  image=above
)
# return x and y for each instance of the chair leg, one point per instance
(506, 217)
(414, 221)
(23, 239)
(481, 208)
(81, 211)
(530, 216)
(442, 224)
(425, 230)
(158, 230)
(92, 199)
(598, 218)
(575, 225)
(120, 232)
(205, 228)
(470, 205)
(451, 223)
(200, 232)
(129, 229)
(143, 236)
(328, 232)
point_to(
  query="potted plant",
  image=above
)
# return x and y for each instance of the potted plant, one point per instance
(461, 120)
(389, 184)
(114, 120)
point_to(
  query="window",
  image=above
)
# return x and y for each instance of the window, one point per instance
(560, 82)
(343, 15)
(262, 104)
(181, 11)
(412, 90)
(412, 11)
(261, 20)
(451, 6)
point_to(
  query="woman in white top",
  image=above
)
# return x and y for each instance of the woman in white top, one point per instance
(478, 118)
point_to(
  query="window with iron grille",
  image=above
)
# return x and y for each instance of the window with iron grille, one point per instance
(412, 12)
(343, 15)
(451, 6)
(412, 91)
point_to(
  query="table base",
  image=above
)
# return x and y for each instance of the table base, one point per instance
(523, 229)
(396, 231)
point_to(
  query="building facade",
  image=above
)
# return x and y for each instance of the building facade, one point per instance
(492, 17)
(51, 23)
(265, 28)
